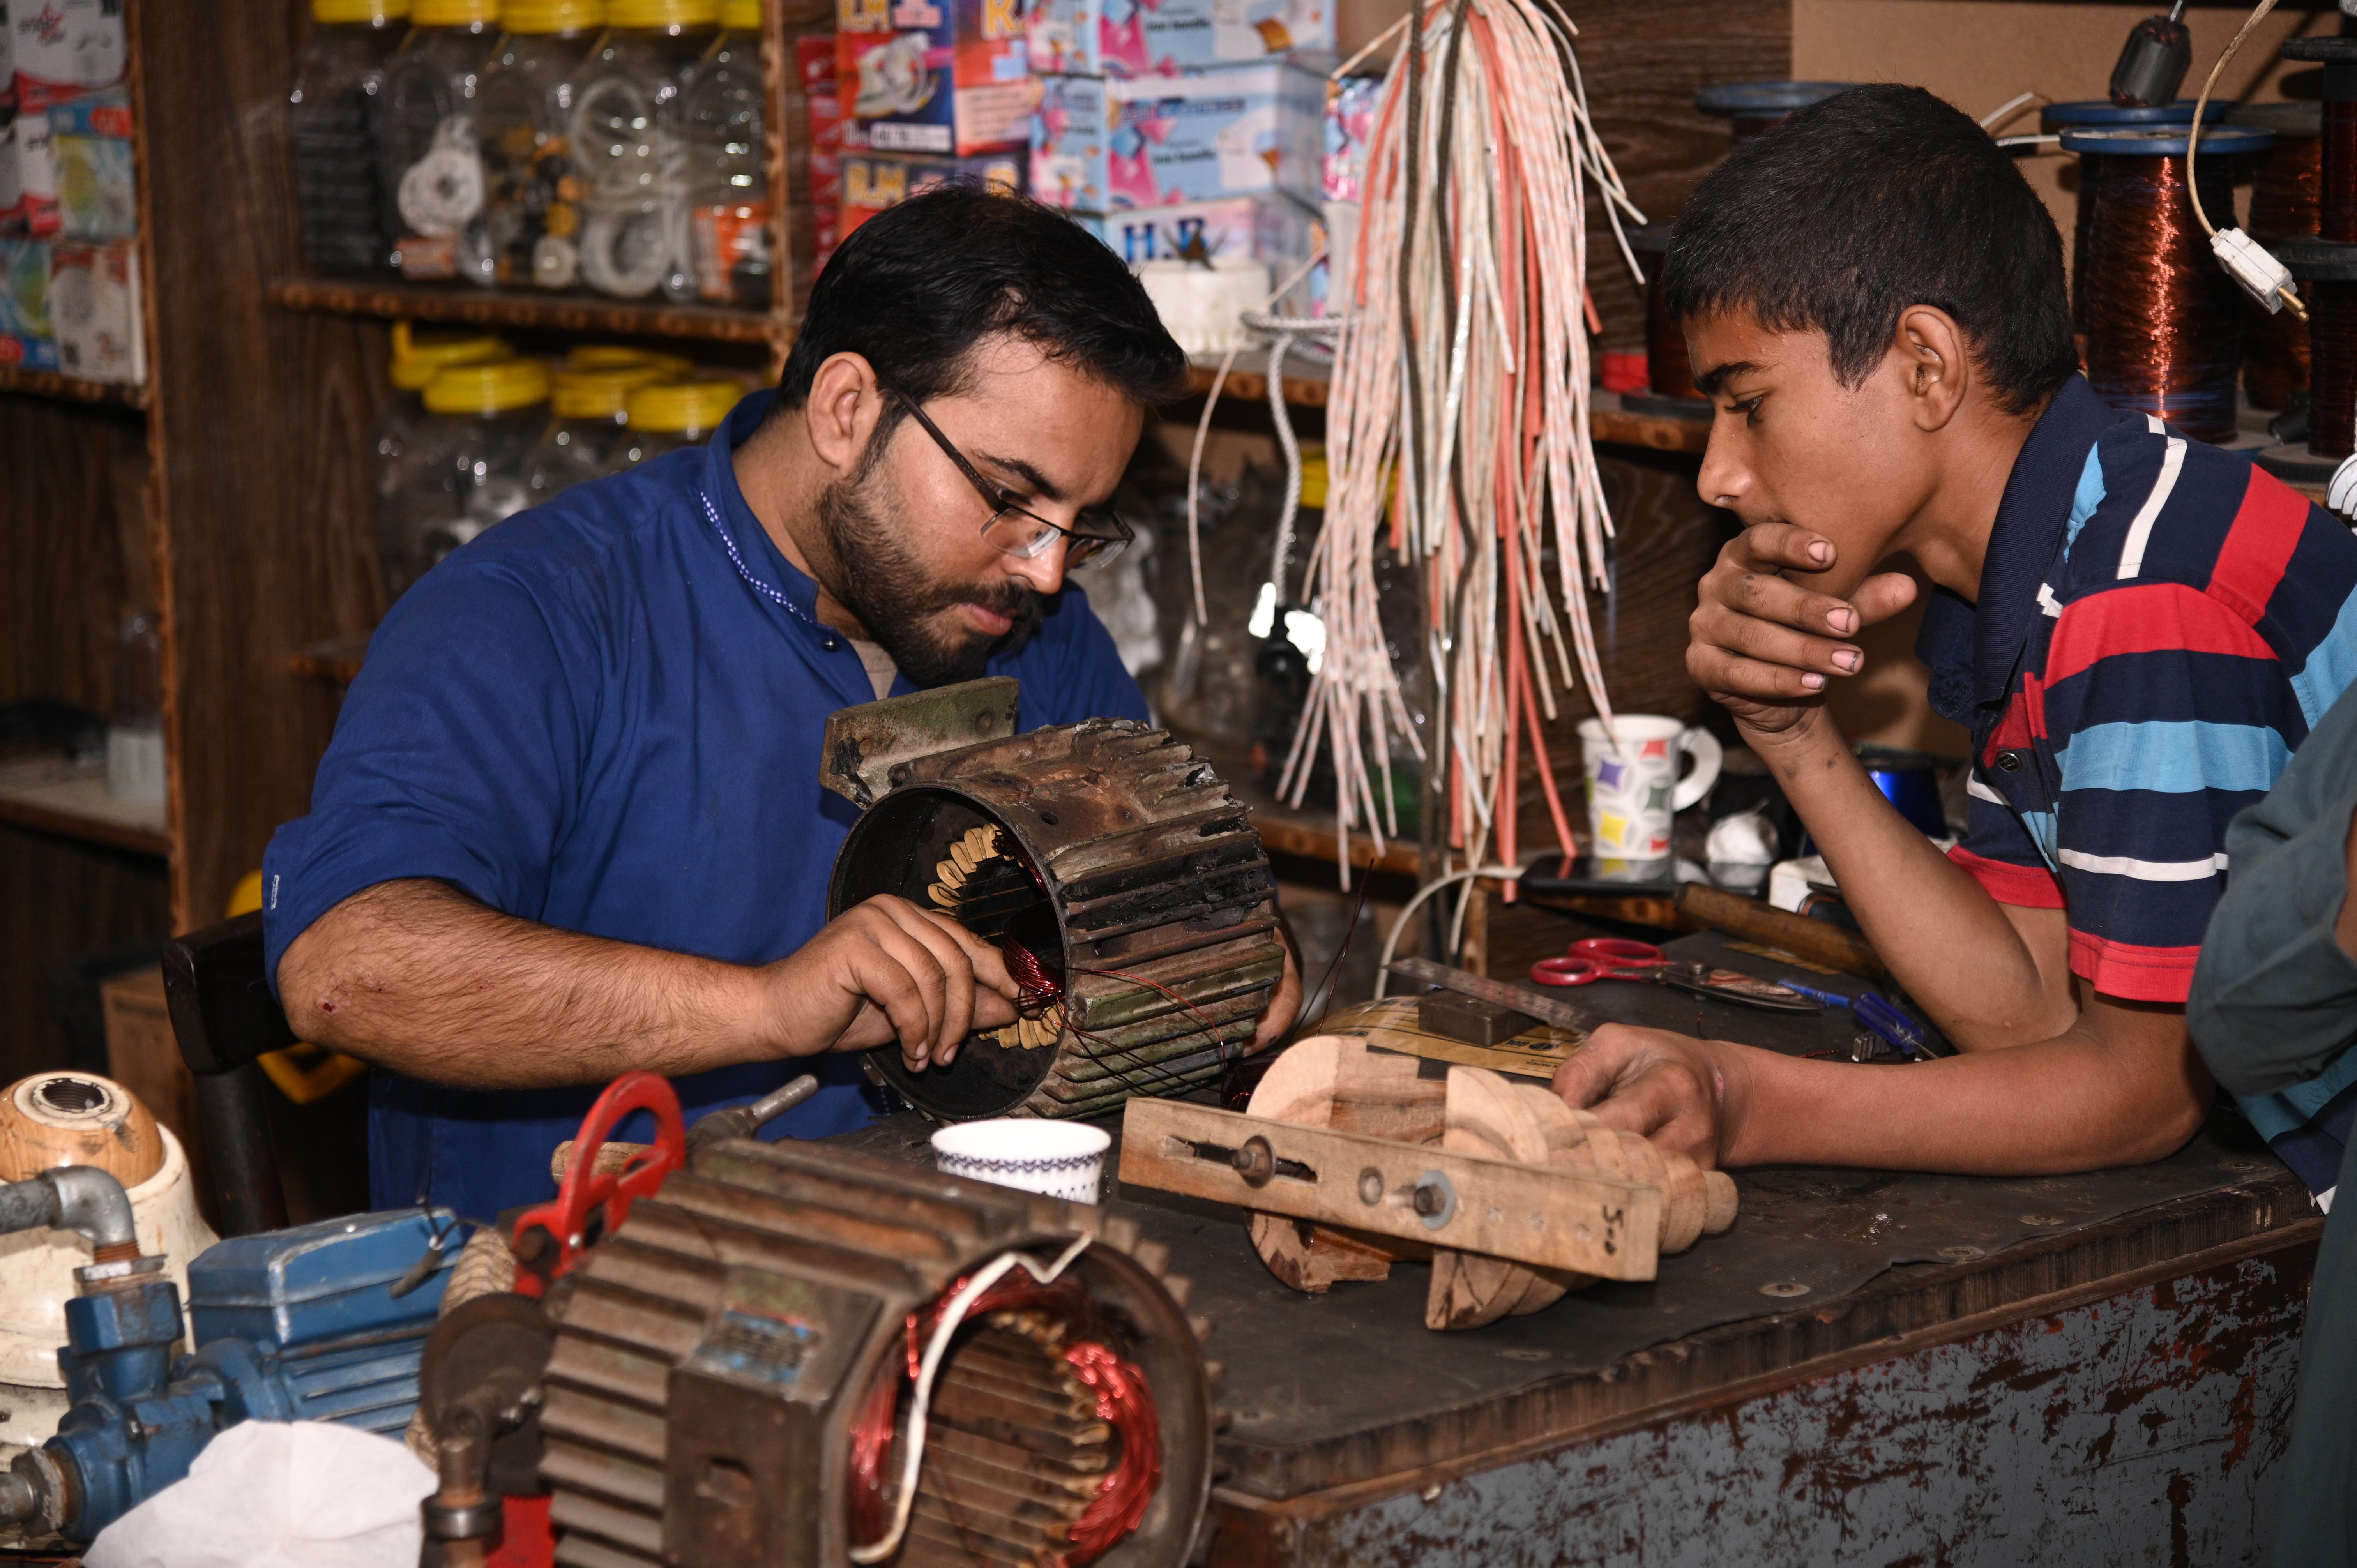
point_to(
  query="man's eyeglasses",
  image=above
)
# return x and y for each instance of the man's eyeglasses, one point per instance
(1095, 537)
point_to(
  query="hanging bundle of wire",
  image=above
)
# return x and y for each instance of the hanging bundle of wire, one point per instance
(1462, 374)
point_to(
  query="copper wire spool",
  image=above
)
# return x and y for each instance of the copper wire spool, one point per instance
(2332, 335)
(1757, 107)
(1667, 366)
(2101, 113)
(2337, 205)
(2164, 325)
(2285, 201)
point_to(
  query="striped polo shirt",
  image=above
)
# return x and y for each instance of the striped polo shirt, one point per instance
(2160, 625)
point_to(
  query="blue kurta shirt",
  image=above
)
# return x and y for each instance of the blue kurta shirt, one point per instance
(605, 715)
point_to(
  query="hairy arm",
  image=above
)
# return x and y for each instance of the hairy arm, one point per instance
(416, 976)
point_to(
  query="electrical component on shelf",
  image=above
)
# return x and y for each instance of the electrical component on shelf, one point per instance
(1109, 862)
(2154, 61)
(1463, 374)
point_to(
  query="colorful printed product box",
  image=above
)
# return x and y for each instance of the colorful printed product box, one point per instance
(873, 181)
(1349, 130)
(63, 47)
(94, 310)
(1148, 37)
(1103, 144)
(24, 336)
(90, 141)
(932, 75)
(1273, 229)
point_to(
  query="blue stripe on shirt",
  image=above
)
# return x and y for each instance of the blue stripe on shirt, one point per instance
(2332, 665)
(2172, 758)
(2086, 498)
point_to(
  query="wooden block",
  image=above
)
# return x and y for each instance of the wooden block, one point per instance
(1470, 1019)
(1548, 1217)
(143, 1055)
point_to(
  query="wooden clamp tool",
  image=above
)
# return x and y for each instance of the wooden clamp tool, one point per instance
(1351, 1160)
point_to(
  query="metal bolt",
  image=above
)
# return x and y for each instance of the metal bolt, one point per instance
(1784, 1288)
(985, 722)
(1370, 1186)
(1256, 1162)
(898, 775)
(1427, 1200)
(1434, 1200)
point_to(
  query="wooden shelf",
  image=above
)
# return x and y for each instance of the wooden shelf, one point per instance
(501, 308)
(1306, 386)
(49, 383)
(81, 808)
(335, 659)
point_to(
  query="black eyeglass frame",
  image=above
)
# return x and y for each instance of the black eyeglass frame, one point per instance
(1083, 548)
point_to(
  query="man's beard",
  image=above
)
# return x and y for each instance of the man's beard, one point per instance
(878, 580)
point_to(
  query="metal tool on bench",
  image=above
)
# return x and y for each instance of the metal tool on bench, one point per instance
(1616, 958)
(1110, 864)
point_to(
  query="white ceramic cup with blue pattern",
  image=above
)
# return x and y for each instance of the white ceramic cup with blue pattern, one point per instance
(1633, 787)
(1062, 1159)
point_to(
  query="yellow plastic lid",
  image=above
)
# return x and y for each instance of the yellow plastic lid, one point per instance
(417, 360)
(453, 13)
(662, 13)
(687, 407)
(1313, 477)
(373, 12)
(486, 389)
(741, 16)
(619, 357)
(551, 16)
(598, 394)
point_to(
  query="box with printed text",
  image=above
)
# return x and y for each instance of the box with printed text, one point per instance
(875, 181)
(932, 75)
(1148, 37)
(1103, 144)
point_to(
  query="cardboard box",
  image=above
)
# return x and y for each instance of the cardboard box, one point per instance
(873, 181)
(1349, 130)
(27, 340)
(1147, 37)
(142, 1053)
(95, 313)
(64, 47)
(942, 76)
(37, 174)
(90, 142)
(1103, 144)
(1273, 229)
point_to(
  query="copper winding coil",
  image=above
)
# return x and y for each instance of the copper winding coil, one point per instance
(2332, 340)
(2164, 329)
(2286, 200)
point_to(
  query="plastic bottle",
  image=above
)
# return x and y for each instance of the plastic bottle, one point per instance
(669, 415)
(135, 741)
(727, 162)
(523, 124)
(465, 469)
(433, 174)
(331, 116)
(588, 408)
(634, 232)
(417, 360)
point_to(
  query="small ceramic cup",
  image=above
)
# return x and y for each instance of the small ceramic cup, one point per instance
(1634, 789)
(1062, 1159)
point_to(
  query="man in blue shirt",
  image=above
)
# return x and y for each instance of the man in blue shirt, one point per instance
(571, 821)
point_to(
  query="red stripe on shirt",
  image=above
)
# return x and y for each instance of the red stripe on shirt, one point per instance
(2023, 887)
(2150, 617)
(2024, 720)
(2134, 974)
(2267, 529)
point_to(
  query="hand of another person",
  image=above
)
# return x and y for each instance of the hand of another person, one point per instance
(1670, 1087)
(1283, 1002)
(1764, 646)
(886, 971)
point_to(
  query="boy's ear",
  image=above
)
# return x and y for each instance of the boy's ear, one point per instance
(1937, 363)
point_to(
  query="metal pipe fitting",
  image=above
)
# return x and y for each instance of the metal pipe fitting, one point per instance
(81, 1198)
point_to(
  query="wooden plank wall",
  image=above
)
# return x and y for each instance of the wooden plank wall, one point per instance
(264, 416)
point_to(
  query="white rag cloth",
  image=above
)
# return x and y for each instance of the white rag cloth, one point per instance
(276, 1494)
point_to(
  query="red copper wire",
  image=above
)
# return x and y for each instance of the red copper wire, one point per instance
(2332, 367)
(2285, 201)
(2337, 210)
(2164, 332)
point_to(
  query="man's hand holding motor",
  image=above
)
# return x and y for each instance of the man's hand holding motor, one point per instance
(1763, 645)
(1683, 1093)
(886, 971)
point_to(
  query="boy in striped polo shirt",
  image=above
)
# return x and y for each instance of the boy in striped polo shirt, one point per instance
(2137, 628)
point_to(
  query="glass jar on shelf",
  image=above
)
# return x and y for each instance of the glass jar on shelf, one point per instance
(587, 408)
(724, 159)
(523, 115)
(418, 358)
(463, 472)
(634, 238)
(433, 170)
(331, 122)
(135, 741)
(669, 415)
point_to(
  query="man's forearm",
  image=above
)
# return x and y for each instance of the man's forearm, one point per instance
(420, 978)
(1961, 959)
(2071, 1103)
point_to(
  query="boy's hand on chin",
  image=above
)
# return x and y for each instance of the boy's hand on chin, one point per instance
(1763, 645)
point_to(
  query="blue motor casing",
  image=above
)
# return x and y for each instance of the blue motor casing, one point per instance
(298, 1324)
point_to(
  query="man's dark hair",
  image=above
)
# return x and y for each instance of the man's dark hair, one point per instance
(1869, 202)
(914, 288)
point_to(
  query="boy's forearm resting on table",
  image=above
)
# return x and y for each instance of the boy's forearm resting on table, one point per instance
(420, 978)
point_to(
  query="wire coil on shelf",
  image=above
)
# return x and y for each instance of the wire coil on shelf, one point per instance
(2286, 197)
(2164, 320)
(2101, 113)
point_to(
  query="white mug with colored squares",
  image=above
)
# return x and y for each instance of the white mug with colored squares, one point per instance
(1633, 787)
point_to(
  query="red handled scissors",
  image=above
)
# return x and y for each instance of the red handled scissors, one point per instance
(1617, 958)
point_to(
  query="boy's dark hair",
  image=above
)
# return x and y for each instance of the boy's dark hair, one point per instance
(914, 288)
(1869, 202)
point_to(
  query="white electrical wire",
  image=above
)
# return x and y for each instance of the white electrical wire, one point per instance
(1390, 943)
(929, 1369)
(2193, 142)
(2005, 111)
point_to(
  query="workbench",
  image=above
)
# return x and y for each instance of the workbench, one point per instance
(1869, 1367)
